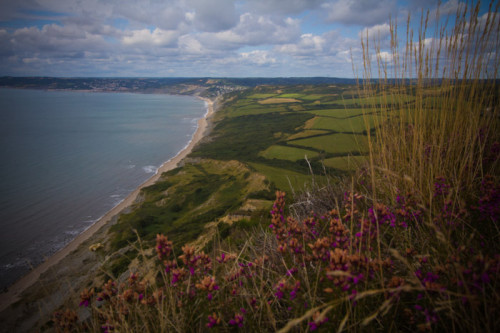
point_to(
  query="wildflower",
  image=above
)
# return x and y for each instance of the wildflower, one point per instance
(163, 246)
(107, 328)
(169, 265)
(85, 297)
(318, 320)
(489, 203)
(208, 284)
(109, 290)
(213, 320)
(65, 321)
(296, 288)
(237, 320)
(440, 187)
(178, 274)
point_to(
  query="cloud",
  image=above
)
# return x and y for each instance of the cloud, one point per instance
(196, 37)
(55, 40)
(360, 12)
(214, 15)
(145, 37)
(308, 44)
(257, 30)
(377, 32)
(258, 57)
(281, 8)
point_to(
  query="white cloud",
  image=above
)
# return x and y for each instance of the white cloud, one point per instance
(257, 30)
(308, 44)
(258, 57)
(145, 37)
(379, 32)
(189, 44)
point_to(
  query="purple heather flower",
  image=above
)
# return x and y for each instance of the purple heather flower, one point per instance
(84, 303)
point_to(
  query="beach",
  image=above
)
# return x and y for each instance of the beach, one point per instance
(15, 291)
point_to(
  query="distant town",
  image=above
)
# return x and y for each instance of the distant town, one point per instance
(183, 86)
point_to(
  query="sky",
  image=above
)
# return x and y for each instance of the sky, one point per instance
(197, 38)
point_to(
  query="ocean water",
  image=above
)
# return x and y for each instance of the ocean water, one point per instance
(69, 157)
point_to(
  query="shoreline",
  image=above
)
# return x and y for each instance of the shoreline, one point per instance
(15, 290)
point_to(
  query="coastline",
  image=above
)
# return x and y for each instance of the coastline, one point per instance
(14, 291)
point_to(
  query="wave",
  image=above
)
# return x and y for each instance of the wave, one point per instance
(149, 169)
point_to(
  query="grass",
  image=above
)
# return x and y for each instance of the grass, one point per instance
(287, 153)
(339, 113)
(306, 134)
(185, 200)
(349, 125)
(284, 179)
(334, 143)
(345, 163)
(279, 100)
(260, 96)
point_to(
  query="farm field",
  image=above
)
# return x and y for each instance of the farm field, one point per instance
(286, 123)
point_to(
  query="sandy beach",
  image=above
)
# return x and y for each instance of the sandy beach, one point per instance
(14, 292)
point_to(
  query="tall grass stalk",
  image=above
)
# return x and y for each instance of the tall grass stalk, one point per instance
(437, 101)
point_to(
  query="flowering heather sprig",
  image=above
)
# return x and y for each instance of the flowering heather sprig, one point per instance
(283, 285)
(317, 321)
(321, 249)
(208, 284)
(381, 214)
(153, 299)
(441, 188)
(479, 272)
(225, 258)
(169, 265)
(351, 205)
(237, 320)
(163, 246)
(339, 234)
(450, 214)
(277, 214)
(65, 321)
(109, 290)
(406, 210)
(86, 296)
(107, 328)
(178, 274)
(213, 320)
(489, 203)
(429, 280)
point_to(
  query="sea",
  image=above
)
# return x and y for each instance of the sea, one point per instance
(68, 157)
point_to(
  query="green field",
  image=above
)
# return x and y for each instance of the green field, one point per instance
(285, 180)
(293, 95)
(334, 143)
(339, 113)
(345, 163)
(378, 100)
(260, 96)
(287, 153)
(306, 134)
(355, 124)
